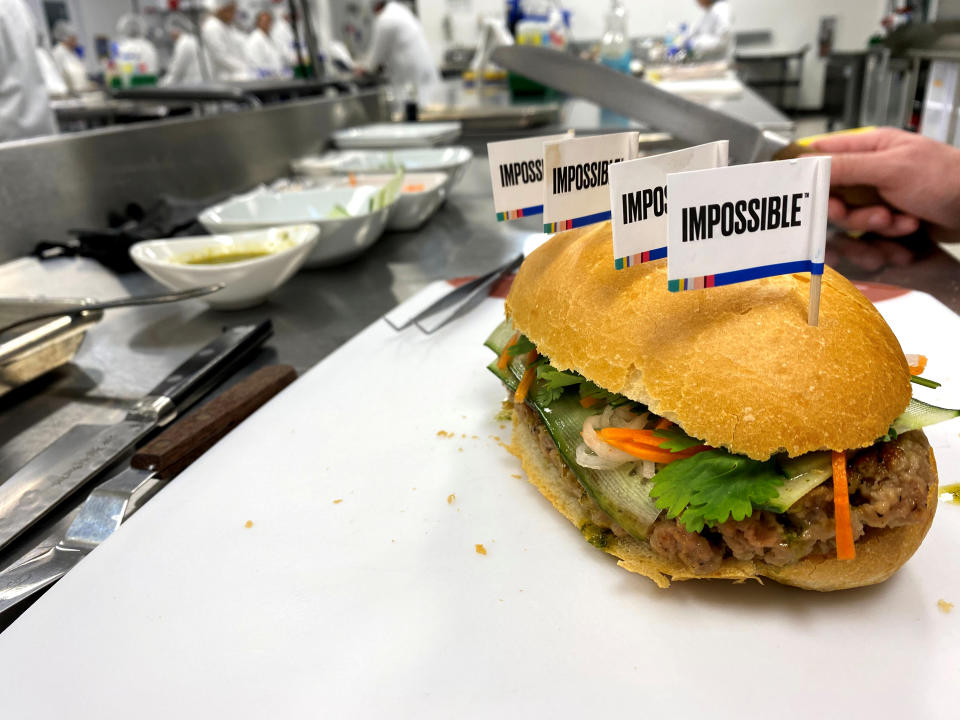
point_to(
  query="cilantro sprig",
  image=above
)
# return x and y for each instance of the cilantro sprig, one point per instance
(713, 486)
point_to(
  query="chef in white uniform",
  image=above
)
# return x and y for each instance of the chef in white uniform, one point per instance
(281, 32)
(711, 37)
(52, 78)
(222, 43)
(133, 46)
(262, 52)
(71, 67)
(185, 67)
(24, 105)
(400, 46)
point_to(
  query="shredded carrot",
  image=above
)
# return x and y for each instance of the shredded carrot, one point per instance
(588, 402)
(663, 424)
(504, 358)
(841, 508)
(645, 445)
(414, 187)
(352, 179)
(529, 375)
(917, 363)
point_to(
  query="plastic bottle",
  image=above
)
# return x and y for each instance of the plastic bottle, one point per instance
(615, 45)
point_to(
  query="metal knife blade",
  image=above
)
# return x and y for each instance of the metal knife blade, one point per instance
(684, 119)
(80, 454)
(115, 500)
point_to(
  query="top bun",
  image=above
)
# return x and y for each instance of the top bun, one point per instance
(736, 366)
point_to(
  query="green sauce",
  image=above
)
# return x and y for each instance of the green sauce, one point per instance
(953, 490)
(214, 258)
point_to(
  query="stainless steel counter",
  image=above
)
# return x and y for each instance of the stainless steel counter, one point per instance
(315, 313)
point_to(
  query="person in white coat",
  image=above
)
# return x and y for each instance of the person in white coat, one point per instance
(24, 105)
(281, 32)
(221, 44)
(711, 37)
(185, 65)
(399, 45)
(52, 79)
(133, 47)
(68, 62)
(262, 54)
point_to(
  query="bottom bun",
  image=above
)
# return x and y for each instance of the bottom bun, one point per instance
(879, 554)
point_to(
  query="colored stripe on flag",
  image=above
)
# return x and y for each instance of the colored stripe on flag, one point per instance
(640, 258)
(577, 222)
(737, 276)
(522, 212)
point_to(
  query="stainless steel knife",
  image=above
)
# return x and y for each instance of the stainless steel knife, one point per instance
(155, 464)
(684, 119)
(80, 454)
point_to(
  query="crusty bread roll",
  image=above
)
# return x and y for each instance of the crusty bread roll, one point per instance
(737, 366)
(878, 556)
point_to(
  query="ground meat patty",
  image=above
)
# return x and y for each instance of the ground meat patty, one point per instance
(888, 483)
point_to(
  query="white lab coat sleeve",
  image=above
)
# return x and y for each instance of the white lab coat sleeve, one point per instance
(52, 78)
(227, 63)
(24, 105)
(714, 33)
(184, 65)
(72, 68)
(381, 43)
(263, 55)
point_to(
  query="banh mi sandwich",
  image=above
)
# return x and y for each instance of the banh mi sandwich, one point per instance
(715, 434)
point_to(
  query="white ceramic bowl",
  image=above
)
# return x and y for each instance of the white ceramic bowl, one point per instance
(451, 160)
(247, 282)
(406, 134)
(412, 208)
(341, 238)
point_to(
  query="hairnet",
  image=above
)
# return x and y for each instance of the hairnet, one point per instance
(178, 22)
(131, 26)
(63, 30)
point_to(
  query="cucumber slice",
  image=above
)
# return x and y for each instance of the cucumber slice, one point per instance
(803, 475)
(918, 414)
(500, 337)
(623, 494)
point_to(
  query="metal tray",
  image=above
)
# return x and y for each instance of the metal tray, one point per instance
(30, 351)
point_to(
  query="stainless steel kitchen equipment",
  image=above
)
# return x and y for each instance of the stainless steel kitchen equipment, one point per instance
(27, 355)
(112, 502)
(69, 309)
(80, 454)
(687, 121)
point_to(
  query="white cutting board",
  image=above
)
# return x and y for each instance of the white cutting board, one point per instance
(379, 605)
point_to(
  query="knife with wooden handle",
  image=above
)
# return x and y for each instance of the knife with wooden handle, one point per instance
(158, 461)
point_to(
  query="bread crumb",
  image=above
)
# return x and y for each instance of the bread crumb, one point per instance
(445, 434)
(495, 437)
(518, 477)
(503, 427)
(481, 550)
(248, 524)
(944, 605)
(459, 449)
(338, 501)
(463, 435)
(474, 437)
(450, 498)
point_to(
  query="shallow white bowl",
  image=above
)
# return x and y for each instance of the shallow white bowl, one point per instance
(341, 238)
(412, 208)
(451, 160)
(248, 282)
(406, 134)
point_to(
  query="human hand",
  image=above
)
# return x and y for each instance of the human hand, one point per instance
(918, 177)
